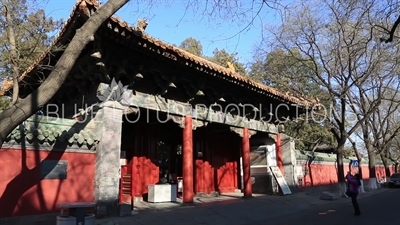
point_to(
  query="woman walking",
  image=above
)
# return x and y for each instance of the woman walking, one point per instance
(354, 183)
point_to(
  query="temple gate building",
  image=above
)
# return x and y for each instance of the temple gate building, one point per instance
(173, 110)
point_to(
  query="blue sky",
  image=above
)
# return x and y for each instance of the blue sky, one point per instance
(172, 23)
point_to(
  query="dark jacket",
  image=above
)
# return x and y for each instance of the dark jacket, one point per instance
(354, 183)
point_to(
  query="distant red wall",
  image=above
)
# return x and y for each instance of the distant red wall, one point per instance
(326, 174)
(22, 192)
(319, 174)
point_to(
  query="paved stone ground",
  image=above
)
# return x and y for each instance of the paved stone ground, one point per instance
(226, 209)
(379, 209)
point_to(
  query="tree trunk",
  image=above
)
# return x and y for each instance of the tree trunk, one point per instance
(340, 169)
(386, 165)
(371, 165)
(19, 112)
(372, 171)
(13, 52)
(341, 137)
(362, 190)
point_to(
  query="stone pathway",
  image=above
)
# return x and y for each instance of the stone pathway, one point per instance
(226, 209)
(229, 209)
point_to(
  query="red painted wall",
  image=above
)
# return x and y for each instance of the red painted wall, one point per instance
(145, 172)
(204, 174)
(320, 174)
(227, 177)
(379, 171)
(140, 143)
(22, 192)
(208, 178)
(217, 169)
(326, 174)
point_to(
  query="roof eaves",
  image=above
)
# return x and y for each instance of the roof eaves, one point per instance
(217, 68)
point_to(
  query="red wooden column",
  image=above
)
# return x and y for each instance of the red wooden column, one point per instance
(188, 161)
(246, 163)
(279, 154)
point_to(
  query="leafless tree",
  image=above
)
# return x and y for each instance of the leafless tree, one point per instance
(378, 130)
(336, 37)
(386, 129)
(393, 152)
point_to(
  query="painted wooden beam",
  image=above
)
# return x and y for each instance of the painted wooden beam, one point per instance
(135, 99)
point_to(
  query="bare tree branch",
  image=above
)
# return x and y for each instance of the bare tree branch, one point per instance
(16, 114)
(392, 31)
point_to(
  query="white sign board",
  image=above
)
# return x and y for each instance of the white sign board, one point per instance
(280, 179)
(299, 171)
(271, 155)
